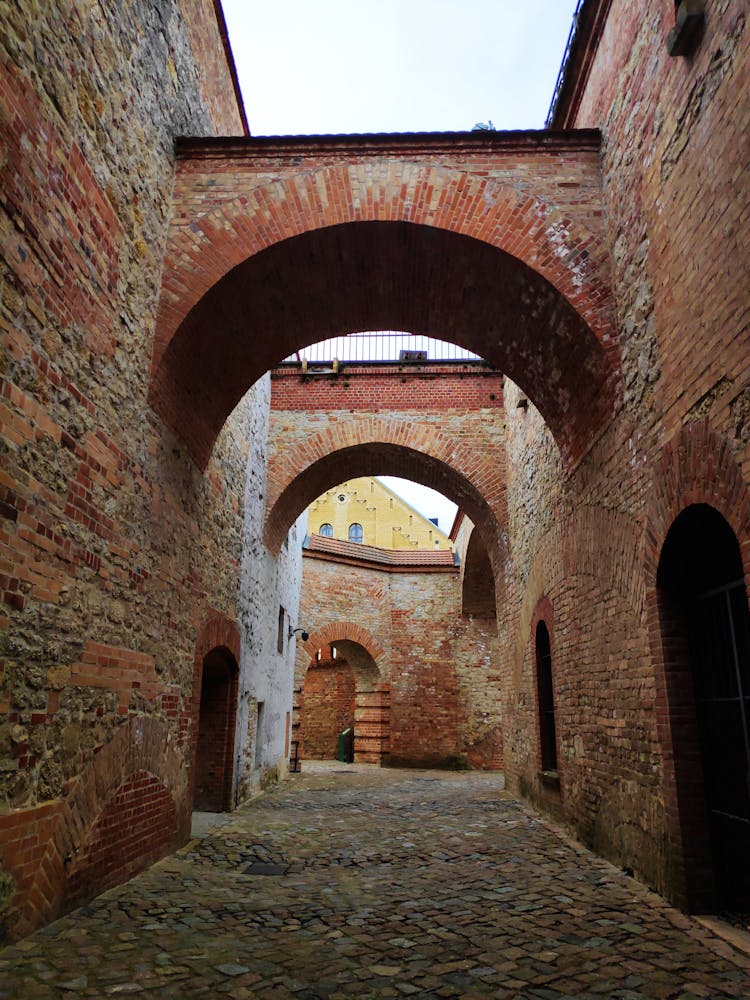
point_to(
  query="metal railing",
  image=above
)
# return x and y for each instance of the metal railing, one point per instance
(564, 64)
(385, 346)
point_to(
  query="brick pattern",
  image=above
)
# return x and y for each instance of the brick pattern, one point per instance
(372, 725)
(365, 656)
(672, 138)
(219, 638)
(394, 559)
(135, 828)
(326, 708)
(311, 451)
(632, 244)
(38, 844)
(436, 697)
(105, 576)
(216, 733)
(697, 466)
(204, 20)
(477, 580)
(520, 214)
(391, 388)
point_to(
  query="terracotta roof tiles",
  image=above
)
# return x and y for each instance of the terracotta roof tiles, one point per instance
(337, 548)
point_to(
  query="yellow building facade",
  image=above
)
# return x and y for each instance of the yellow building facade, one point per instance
(365, 510)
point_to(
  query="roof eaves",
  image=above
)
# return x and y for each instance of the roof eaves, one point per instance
(589, 19)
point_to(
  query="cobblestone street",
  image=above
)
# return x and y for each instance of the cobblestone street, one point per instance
(350, 881)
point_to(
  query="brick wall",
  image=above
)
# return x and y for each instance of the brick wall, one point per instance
(214, 756)
(673, 135)
(392, 388)
(413, 433)
(437, 671)
(135, 828)
(450, 236)
(112, 545)
(326, 708)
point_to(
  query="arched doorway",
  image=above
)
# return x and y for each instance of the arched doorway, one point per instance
(327, 703)
(705, 627)
(216, 723)
(342, 687)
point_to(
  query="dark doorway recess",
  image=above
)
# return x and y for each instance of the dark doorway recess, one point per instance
(705, 627)
(547, 732)
(213, 768)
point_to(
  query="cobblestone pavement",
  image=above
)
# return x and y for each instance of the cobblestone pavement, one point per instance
(356, 882)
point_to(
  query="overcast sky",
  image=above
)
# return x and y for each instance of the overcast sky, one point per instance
(396, 65)
(310, 67)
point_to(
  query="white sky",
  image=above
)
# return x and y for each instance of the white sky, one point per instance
(311, 67)
(428, 502)
(328, 66)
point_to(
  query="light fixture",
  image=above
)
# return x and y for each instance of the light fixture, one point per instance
(304, 634)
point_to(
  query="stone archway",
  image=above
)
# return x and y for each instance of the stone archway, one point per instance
(374, 444)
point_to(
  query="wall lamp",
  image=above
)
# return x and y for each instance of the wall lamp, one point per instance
(304, 634)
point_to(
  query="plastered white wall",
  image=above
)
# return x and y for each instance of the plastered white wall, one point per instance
(266, 584)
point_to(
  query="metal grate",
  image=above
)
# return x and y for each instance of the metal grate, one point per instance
(384, 346)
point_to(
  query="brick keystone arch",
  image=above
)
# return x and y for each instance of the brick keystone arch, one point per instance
(344, 631)
(369, 445)
(520, 276)
(696, 466)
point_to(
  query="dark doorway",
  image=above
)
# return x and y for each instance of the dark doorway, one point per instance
(213, 767)
(706, 641)
(327, 707)
(547, 732)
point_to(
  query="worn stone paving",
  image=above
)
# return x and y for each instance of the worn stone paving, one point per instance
(359, 882)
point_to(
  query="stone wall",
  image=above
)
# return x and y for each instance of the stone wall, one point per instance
(585, 543)
(440, 667)
(113, 545)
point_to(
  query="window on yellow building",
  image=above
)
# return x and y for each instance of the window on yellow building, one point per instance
(326, 530)
(355, 532)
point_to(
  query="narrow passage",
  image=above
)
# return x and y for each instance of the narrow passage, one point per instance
(353, 881)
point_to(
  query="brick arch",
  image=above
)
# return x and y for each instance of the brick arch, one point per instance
(696, 466)
(339, 631)
(363, 654)
(142, 745)
(402, 245)
(543, 613)
(379, 445)
(218, 632)
(478, 592)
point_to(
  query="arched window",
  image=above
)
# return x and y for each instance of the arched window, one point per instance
(478, 591)
(355, 532)
(547, 734)
(326, 530)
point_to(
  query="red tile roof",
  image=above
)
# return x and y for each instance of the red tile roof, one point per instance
(389, 558)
